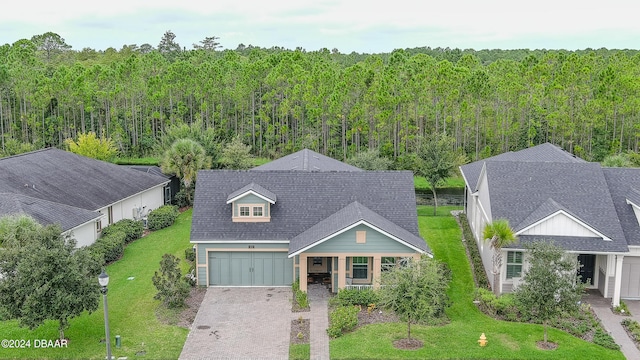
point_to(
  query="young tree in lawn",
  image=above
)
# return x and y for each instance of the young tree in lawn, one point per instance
(185, 158)
(235, 155)
(551, 285)
(172, 287)
(499, 234)
(90, 145)
(416, 291)
(436, 161)
(44, 277)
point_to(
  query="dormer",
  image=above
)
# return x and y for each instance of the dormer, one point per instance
(252, 203)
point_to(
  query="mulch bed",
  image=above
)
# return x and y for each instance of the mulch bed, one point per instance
(300, 331)
(546, 345)
(408, 344)
(188, 314)
(375, 316)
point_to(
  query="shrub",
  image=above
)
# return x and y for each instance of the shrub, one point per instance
(503, 307)
(479, 275)
(347, 297)
(622, 309)
(342, 319)
(605, 340)
(131, 228)
(300, 296)
(162, 217)
(109, 247)
(184, 197)
(189, 254)
(172, 289)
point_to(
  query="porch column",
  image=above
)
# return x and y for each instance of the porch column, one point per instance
(377, 266)
(615, 301)
(303, 272)
(342, 271)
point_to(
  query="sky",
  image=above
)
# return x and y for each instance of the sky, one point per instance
(347, 25)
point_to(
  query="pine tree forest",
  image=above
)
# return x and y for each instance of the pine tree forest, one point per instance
(279, 100)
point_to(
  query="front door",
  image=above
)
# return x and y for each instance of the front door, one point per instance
(586, 271)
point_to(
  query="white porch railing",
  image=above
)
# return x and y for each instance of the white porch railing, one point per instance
(358, 287)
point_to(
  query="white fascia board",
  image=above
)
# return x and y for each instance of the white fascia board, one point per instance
(604, 237)
(361, 222)
(239, 241)
(252, 193)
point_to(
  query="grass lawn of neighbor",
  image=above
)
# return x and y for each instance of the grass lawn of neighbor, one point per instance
(131, 309)
(459, 338)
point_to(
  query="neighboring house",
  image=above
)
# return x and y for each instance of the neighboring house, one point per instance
(172, 188)
(81, 194)
(547, 193)
(303, 216)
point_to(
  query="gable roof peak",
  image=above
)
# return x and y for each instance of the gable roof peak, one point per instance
(252, 188)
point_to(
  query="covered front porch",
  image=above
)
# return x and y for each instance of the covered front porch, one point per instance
(345, 271)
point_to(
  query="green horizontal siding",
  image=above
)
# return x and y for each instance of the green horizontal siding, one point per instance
(202, 276)
(346, 243)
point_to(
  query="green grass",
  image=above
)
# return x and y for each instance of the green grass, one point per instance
(131, 308)
(299, 352)
(458, 339)
(153, 161)
(257, 161)
(421, 184)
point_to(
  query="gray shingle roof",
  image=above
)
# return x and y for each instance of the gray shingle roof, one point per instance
(306, 160)
(520, 189)
(541, 153)
(45, 212)
(348, 216)
(304, 199)
(622, 186)
(66, 178)
(256, 189)
(572, 243)
(547, 208)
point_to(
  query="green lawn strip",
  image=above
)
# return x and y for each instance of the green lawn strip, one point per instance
(421, 184)
(459, 338)
(131, 308)
(299, 352)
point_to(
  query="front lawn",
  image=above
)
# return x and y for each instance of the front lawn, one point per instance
(459, 339)
(131, 308)
(421, 184)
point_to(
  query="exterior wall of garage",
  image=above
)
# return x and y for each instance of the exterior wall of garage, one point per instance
(203, 250)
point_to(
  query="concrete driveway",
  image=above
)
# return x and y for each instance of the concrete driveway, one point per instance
(241, 323)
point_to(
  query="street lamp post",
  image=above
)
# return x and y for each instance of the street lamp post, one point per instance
(103, 280)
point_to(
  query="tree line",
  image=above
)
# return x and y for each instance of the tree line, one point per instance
(278, 100)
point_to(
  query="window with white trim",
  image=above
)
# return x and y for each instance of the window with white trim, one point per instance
(514, 264)
(387, 263)
(244, 211)
(360, 267)
(257, 211)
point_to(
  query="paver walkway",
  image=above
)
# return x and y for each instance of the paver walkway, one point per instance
(611, 322)
(241, 323)
(318, 300)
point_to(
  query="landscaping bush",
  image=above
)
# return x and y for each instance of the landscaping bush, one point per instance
(633, 327)
(479, 275)
(162, 217)
(172, 289)
(109, 247)
(131, 228)
(342, 319)
(346, 297)
(602, 338)
(184, 197)
(300, 296)
(503, 307)
(189, 254)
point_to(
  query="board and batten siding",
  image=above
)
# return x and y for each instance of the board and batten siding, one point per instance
(560, 225)
(85, 234)
(345, 243)
(252, 200)
(152, 198)
(202, 250)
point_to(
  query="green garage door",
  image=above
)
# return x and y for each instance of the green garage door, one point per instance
(244, 268)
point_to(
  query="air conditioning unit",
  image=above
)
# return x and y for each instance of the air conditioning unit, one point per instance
(135, 213)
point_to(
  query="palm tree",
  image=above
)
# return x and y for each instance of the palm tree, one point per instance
(500, 234)
(184, 158)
